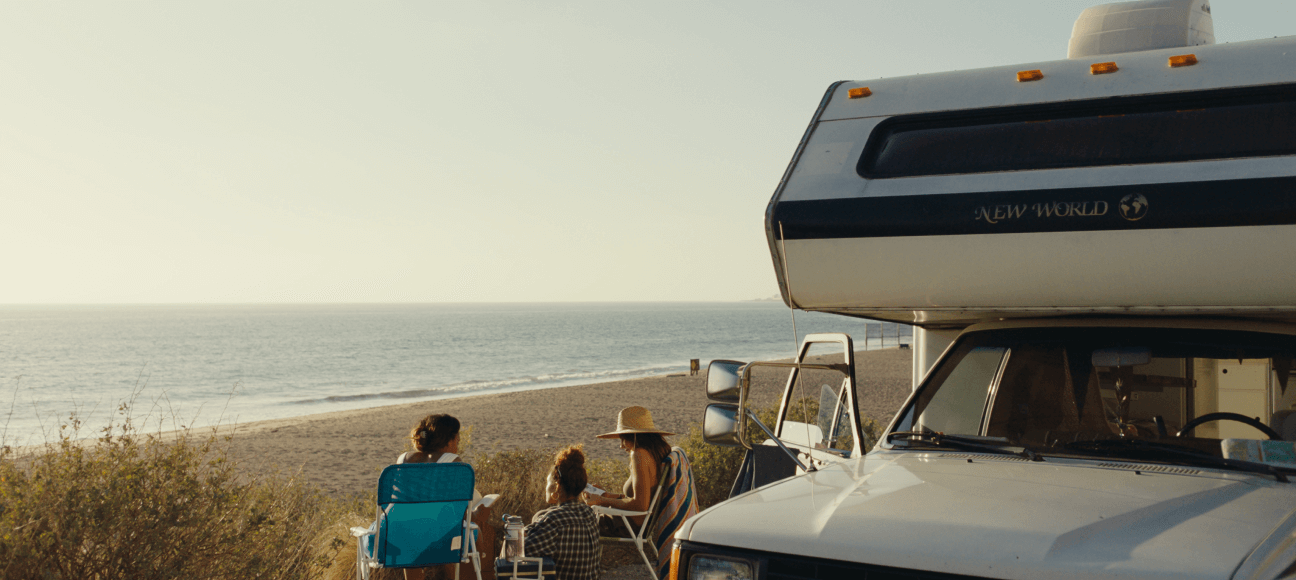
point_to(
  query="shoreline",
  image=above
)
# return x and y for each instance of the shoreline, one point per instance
(343, 451)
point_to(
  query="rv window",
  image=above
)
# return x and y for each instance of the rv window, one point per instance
(1084, 134)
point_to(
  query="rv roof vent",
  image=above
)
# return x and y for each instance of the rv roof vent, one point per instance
(1143, 25)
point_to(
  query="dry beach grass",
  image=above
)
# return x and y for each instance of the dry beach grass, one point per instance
(274, 499)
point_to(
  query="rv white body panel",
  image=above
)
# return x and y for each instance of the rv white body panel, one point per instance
(1217, 269)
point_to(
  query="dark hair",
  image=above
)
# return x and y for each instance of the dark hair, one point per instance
(569, 471)
(434, 432)
(653, 443)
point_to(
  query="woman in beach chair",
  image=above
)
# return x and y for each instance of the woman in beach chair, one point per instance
(567, 532)
(436, 440)
(653, 464)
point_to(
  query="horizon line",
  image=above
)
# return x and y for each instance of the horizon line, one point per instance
(7, 304)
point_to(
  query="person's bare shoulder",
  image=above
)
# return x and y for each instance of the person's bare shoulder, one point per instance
(643, 460)
(412, 457)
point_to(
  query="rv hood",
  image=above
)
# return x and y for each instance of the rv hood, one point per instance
(997, 516)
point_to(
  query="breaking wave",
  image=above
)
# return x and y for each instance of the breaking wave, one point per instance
(500, 385)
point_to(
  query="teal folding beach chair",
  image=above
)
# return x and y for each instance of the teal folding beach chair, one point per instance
(424, 519)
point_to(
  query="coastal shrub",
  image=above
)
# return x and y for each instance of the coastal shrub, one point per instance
(335, 538)
(519, 478)
(715, 468)
(127, 505)
(608, 474)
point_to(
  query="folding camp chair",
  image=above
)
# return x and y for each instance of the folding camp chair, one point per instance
(639, 537)
(424, 519)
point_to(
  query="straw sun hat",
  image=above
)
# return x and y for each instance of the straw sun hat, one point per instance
(634, 420)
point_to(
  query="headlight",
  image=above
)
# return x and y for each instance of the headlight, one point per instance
(706, 567)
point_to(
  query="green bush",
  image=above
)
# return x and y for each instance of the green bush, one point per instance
(144, 507)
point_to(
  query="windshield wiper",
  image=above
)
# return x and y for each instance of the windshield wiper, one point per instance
(1143, 449)
(941, 440)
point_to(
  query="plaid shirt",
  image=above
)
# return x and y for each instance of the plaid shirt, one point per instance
(568, 533)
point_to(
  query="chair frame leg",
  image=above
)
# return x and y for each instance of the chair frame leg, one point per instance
(360, 563)
(639, 541)
(469, 553)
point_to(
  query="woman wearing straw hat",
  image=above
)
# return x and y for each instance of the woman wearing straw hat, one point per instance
(647, 447)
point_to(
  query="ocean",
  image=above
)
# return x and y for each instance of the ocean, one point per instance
(201, 365)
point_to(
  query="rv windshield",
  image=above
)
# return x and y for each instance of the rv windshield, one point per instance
(1073, 391)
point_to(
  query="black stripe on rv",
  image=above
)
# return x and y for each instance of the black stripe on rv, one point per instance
(1208, 204)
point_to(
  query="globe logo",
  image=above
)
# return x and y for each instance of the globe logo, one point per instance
(1133, 206)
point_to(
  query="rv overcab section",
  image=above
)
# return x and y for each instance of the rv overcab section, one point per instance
(948, 199)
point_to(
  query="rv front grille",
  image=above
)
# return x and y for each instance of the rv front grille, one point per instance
(805, 569)
(774, 566)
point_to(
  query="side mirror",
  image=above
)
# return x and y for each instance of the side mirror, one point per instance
(720, 425)
(1126, 356)
(724, 380)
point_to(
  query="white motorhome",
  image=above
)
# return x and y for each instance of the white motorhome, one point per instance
(1098, 255)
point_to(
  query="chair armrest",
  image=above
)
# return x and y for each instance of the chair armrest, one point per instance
(603, 510)
(358, 531)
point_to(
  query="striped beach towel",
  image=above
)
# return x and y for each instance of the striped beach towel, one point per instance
(678, 502)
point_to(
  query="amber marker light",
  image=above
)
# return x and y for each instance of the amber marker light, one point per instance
(1029, 75)
(1183, 60)
(859, 92)
(1102, 68)
(674, 562)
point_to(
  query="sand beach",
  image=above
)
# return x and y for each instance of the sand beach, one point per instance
(343, 452)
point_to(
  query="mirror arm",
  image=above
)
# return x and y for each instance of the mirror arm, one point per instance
(776, 441)
(744, 384)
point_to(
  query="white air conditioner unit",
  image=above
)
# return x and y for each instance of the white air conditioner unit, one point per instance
(1143, 25)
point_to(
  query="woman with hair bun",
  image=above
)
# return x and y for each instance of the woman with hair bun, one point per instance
(436, 440)
(567, 532)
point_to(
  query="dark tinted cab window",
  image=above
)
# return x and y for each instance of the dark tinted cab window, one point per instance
(1118, 131)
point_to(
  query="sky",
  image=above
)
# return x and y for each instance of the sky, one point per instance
(429, 151)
